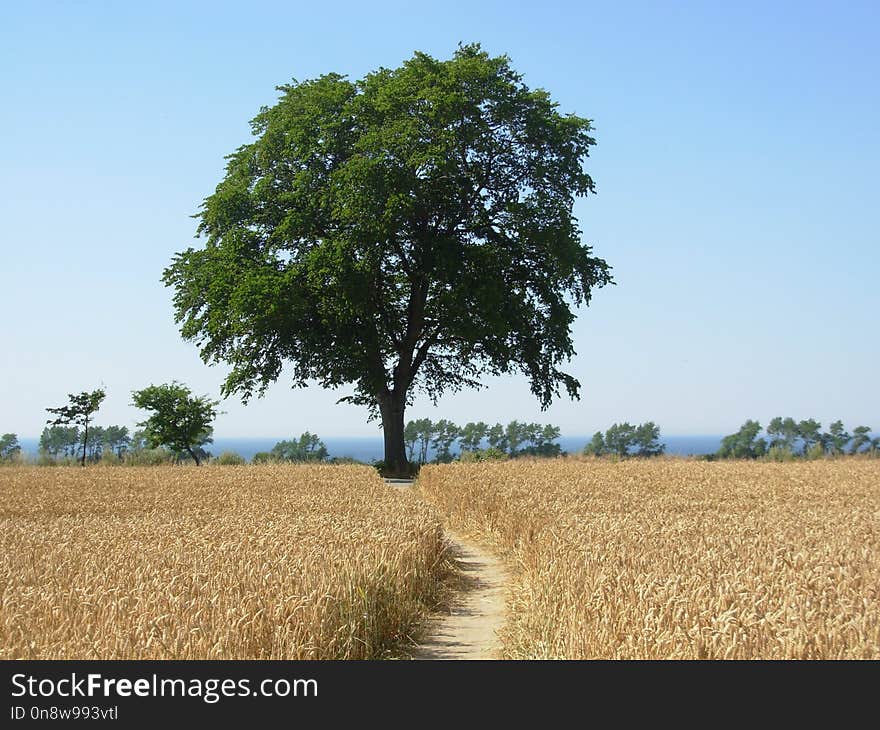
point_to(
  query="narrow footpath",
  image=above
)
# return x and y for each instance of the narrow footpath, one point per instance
(469, 630)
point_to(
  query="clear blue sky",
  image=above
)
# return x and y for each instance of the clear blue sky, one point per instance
(738, 149)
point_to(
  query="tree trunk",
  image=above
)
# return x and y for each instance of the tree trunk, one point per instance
(391, 409)
(194, 457)
(85, 441)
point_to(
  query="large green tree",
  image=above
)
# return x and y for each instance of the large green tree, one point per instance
(409, 230)
(179, 420)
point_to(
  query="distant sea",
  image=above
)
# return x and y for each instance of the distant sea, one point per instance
(370, 448)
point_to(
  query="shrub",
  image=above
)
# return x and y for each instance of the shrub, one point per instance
(229, 458)
(816, 451)
(490, 454)
(148, 457)
(779, 453)
(264, 457)
(108, 458)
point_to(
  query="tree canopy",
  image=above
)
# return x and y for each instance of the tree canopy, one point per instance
(514, 439)
(9, 447)
(179, 421)
(307, 448)
(79, 412)
(744, 444)
(624, 439)
(409, 230)
(785, 435)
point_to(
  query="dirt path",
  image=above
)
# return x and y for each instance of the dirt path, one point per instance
(468, 631)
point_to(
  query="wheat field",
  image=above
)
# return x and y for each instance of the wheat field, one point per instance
(675, 558)
(268, 562)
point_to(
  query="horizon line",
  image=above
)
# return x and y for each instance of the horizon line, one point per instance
(379, 436)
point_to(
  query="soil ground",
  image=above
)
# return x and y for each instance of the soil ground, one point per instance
(469, 629)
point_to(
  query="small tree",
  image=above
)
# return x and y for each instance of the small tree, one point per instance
(425, 432)
(861, 437)
(541, 440)
(783, 432)
(744, 444)
(810, 433)
(117, 440)
(308, 448)
(472, 435)
(55, 440)
(79, 411)
(9, 447)
(647, 440)
(417, 437)
(410, 438)
(596, 447)
(445, 434)
(497, 437)
(515, 434)
(95, 443)
(180, 421)
(138, 441)
(836, 439)
(619, 438)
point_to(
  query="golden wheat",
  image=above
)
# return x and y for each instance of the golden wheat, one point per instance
(673, 558)
(270, 562)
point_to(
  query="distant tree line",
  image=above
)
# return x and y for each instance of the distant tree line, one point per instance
(624, 439)
(179, 426)
(423, 437)
(66, 442)
(787, 438)
(307, 448)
